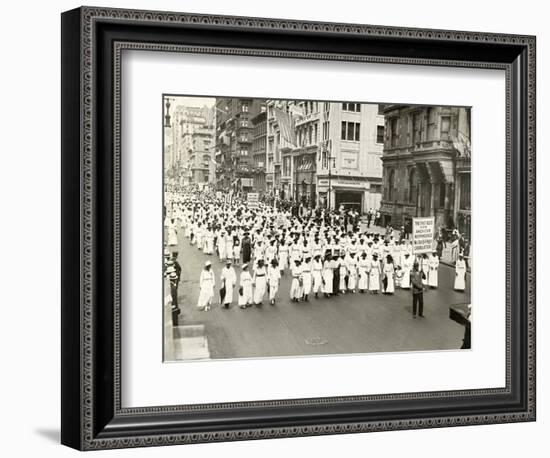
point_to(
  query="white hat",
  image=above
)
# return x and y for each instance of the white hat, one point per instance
(207, 263)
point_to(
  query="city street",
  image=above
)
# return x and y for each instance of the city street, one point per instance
(352, 323)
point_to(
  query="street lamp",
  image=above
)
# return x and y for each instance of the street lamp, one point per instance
(167, 122)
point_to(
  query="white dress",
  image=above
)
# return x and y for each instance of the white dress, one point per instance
(317, 267)
(352, 272)
(295, 288)
(307, 278)
(388, 272)
(460, 275)
(246, 285)
(407, 267)
(363, 267)
(222, 247)
(374, 276)
(425, 264)
(229, 279)
(283, 257)
(237, 252)
(172, 235)
(328, 277)
(343, 271)
(207, 282)
(273, 275)
(433, 264)
(260, 284)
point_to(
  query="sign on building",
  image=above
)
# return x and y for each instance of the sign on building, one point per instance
(253, 200)
(423, 234)
(246, 182)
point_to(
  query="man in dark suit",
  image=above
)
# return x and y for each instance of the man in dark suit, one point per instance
(417, 289)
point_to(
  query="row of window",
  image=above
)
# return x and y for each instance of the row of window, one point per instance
(423, 127)
(351, 107)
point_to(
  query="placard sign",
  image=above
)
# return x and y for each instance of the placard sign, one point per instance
(253, 200)
(423, 234)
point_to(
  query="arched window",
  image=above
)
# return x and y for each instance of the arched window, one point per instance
(391, 184)
(413, 185)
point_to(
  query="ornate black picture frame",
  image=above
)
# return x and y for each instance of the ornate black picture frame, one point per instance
(92, 42)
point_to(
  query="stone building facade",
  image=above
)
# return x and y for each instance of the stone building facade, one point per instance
(426, 165)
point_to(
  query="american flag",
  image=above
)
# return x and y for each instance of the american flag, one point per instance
(286, 127)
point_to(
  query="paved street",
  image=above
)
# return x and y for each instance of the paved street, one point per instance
(353, 323)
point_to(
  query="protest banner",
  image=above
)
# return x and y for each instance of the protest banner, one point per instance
(423, 234)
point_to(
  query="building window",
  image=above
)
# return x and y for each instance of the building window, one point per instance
(417, 128)
(442, 194)
(445, 127)
(393, 132)
(391, 184)
(431, 123)
(347, 106)
(326, 126)
(244, 123)
(244, 107)
(413, 186)
(244, 152)
(379, 134)
(350, 131)
(315, 133)
(465, 203)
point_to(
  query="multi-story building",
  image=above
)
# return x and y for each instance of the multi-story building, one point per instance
(195, 143)
(325, 153)
(304, 155)
(259, 151)
(234, 140)
(350, 146)
(281, 140)
(426, 165)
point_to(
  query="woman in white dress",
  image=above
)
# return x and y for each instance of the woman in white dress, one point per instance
(236, 252)
(363, 268)
(283, 257)
(425, 267)
(343, 271)
(408, 262)
(460, 274)
(245, 286)
(228, 278)
(433, 272)
(317, 274)
(222, 248)
(296, 285)
(389, 275)
(374, 275)
(208, 241)
(172, 234)
(273, 276)
(207, 282)
(351, 265)
(328, 275)
(307, 279)
(260, 282)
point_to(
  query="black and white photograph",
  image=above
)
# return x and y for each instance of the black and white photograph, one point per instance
(314, 227)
